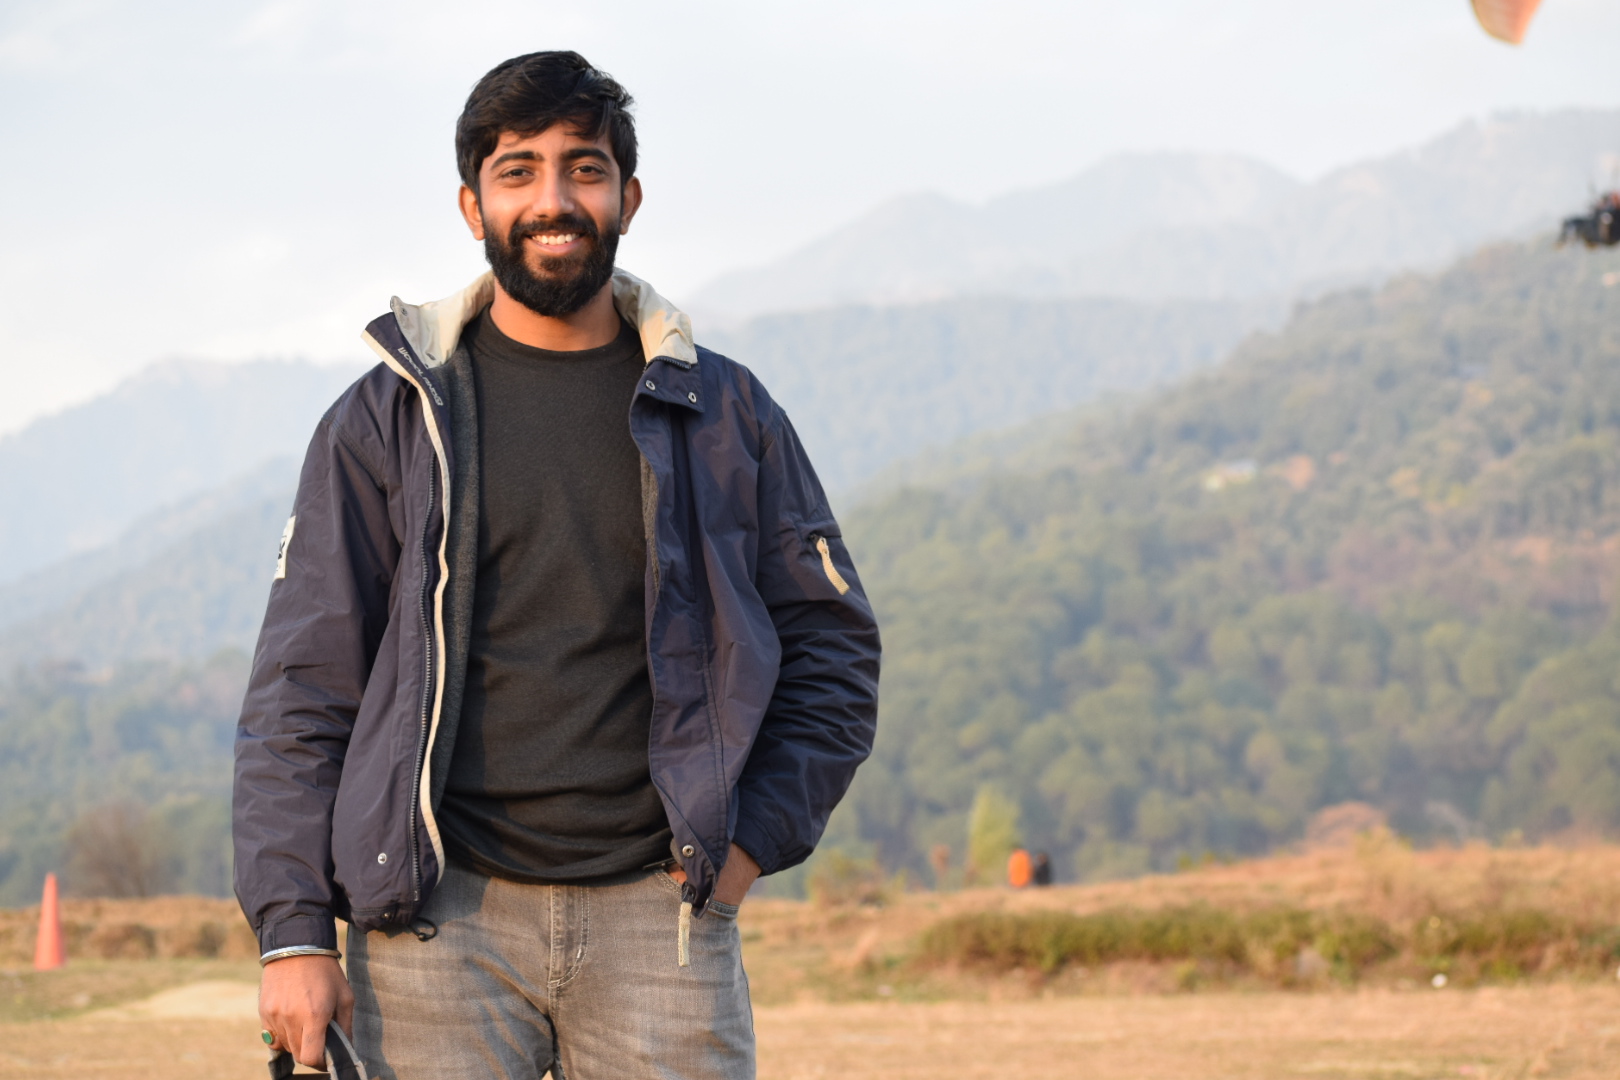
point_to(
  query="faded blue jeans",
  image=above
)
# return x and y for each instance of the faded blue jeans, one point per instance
(580, 980)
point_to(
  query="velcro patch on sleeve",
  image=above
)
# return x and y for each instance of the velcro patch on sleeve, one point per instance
(286, 542)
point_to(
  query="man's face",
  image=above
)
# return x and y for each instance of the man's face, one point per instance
(550, 210)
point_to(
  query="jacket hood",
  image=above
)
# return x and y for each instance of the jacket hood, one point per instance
(434, 328)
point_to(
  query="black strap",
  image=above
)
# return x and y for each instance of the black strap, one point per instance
(342, 1063)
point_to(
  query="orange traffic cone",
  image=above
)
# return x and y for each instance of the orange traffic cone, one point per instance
(48, 952)
(1019, 869)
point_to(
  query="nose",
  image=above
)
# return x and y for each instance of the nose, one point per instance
(550, 196)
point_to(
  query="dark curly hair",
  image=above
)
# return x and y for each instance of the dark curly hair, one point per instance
(528, 94)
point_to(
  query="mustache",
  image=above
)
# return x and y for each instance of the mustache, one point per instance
(522, 230)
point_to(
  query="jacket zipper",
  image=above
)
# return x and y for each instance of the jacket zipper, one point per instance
(427, 694)
(827, 566)
(683, 921)
(688, 890)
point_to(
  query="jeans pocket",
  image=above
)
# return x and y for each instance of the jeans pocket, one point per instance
(724, 911)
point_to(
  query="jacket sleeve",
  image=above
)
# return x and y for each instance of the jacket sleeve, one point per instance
(823, 714)
(327, 613)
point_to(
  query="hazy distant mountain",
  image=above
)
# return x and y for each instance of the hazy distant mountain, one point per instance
(203, 591)
(922, 247)
(864, 387)
(149, 538)
(74, 481)
(1155, 226)
(867, 386)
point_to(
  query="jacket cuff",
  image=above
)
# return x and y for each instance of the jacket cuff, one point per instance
(754, 837)
(298, 932)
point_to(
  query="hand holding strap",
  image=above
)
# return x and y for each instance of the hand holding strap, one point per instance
(342, 1063)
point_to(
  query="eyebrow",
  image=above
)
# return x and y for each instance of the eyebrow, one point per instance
(573, 154)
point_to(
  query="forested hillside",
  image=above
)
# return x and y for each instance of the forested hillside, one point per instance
(1371, 558)
(869, 386)
(123, 773)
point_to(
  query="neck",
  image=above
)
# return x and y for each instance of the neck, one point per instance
(592, 326)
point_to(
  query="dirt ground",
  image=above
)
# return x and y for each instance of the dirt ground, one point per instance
(1496, 1033)
(206, 1031)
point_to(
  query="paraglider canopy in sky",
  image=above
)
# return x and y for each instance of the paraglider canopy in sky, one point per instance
(1506, 20)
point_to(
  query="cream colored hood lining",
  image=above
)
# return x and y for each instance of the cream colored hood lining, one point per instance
(434, 328)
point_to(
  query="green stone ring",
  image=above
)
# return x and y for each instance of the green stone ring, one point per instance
(267, 1037)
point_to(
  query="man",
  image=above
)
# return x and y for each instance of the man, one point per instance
(563, 650)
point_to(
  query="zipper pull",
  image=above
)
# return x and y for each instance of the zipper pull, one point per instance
(827, 566)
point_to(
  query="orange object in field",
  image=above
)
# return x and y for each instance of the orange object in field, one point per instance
(1020, 871)
(1506, 20)
(48, 951)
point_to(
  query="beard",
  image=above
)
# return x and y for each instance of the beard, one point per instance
(563, 284)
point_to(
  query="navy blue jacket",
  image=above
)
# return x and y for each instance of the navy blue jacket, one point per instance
(762, 648)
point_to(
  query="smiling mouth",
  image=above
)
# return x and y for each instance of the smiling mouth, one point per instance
(554, 239)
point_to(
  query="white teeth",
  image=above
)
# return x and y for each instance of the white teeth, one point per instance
(555, 241)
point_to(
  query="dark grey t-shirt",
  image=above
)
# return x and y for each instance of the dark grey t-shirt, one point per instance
(549, 778)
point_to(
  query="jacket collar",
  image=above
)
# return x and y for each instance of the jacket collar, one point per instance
(434, 328)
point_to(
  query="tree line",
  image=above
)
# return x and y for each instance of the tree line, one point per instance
(1371, 557)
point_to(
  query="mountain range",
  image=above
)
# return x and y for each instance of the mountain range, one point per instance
(1161, 226)
(182, 584)
(75, 481)
(1170, 572)
(188, 469)
(870, 385)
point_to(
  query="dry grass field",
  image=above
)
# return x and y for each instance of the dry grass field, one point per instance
(840, 990)
(801, 952)
(206, 1031)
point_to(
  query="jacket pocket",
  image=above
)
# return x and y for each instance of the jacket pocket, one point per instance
(818, 541)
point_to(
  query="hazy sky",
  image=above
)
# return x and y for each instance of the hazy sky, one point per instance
(234, 180)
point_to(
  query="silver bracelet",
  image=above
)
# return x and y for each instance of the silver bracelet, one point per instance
(298, 950)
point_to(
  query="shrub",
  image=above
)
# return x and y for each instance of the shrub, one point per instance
(1268, 942)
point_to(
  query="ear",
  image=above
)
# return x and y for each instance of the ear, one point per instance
(471, 212)
(629, 203)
